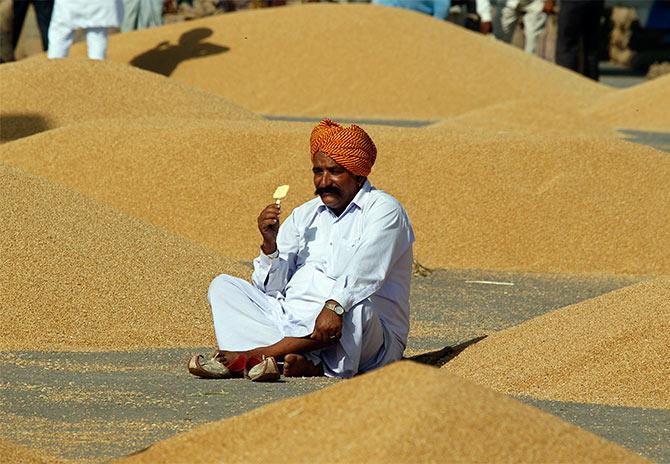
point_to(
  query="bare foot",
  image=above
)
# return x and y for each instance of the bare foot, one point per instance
(226, 357)
(296, 365)
(235, 361)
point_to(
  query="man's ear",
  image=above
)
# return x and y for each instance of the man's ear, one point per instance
(360, 180)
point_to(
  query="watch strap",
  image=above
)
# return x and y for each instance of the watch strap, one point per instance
(335, 307)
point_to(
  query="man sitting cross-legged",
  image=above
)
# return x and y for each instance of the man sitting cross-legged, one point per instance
(330, 291)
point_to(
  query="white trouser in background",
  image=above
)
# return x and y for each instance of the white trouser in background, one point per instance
(141, 14)
(61, 36)
(534, 20)
(246, 318)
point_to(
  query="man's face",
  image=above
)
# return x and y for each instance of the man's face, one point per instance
(334, 184)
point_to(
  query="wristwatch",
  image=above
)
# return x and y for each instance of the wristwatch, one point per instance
(335, 307)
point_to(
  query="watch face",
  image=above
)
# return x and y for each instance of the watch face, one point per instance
(337, 309)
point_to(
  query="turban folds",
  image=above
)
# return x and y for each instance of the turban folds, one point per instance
(350, 147)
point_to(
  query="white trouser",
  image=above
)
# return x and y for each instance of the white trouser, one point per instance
(61, 36)
(534, 20)
(246, 318)
(141, 14)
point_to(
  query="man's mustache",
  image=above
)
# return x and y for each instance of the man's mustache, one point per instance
(331, 190)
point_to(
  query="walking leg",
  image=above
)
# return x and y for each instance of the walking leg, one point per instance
(60, 39)
(96, 42)
(43, 11)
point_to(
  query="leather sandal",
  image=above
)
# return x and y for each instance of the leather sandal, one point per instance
(264, 369)
(211, 368)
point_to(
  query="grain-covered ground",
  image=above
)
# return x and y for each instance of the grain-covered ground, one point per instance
(123, 192)
(12, 453)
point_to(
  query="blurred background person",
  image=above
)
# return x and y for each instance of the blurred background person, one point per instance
(141, 14)
(534, 14)
(483, 8)
(43, 11)
(437, 8)
(578, 41)
(94, 16)
(6, 49)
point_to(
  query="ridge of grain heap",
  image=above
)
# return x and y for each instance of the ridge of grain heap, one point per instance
(612, 349)
(40, 95)
(505, 201)
(525, 116)
(77, 275)
(643, 106)
(347, 61)
(404, 412)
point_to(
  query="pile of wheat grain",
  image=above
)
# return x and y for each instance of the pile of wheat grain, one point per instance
(37, 96)
(77, 275)
(347, 61)
(402, 413)
(612, 349)
(644, 106)
(558, 203)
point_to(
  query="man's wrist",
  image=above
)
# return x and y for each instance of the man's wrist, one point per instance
(270, 252)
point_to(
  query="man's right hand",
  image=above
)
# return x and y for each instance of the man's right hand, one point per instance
(268, 225)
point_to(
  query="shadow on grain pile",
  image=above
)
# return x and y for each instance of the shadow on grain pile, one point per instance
(164, 58)
(18, 125)
(277, 64)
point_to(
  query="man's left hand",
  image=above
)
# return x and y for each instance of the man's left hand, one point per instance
(328, 326)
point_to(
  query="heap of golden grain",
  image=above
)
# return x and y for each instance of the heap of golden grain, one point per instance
(123, 192)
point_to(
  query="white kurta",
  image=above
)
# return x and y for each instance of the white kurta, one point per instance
(361, 259)
(94, 16)
(84, 14)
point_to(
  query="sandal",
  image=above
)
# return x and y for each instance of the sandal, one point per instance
(263, 369)
(212, 368)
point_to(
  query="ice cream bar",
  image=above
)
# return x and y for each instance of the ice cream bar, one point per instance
(280, 193)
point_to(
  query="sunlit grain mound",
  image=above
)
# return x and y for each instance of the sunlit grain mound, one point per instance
(79, 275)
(208, 182)
(39, 95)
(612, 349)
(12, 453)
(402, 413)
(525, 116)
(346, 60)
(645, 106)
(498, 201)
(537, 203)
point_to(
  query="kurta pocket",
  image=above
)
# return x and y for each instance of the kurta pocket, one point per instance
(342, 254)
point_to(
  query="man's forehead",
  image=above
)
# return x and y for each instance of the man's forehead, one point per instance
(324, 160)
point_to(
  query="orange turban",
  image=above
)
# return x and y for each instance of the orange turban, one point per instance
(350, 147)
